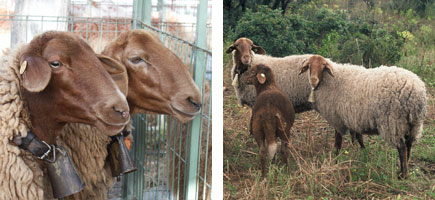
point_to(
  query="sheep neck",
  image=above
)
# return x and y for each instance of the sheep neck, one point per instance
(44, 131)
(240, 67)
(42, 118)
(268, 85)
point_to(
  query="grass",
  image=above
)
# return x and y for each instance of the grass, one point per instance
(314, 171)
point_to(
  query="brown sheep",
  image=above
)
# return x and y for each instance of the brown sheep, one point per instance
(65, 82)
(172, 92)
(53, 80)
(272, 116)
(243, 56)
(158, 82)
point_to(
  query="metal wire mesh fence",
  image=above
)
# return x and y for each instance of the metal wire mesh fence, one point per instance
(162, 145)
(167, 159)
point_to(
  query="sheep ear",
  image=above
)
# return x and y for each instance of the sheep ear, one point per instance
(36, 73)
(261, 78)
(230, 48)
(329, 69)
(117, 71)
(258, 49)
(304, 68)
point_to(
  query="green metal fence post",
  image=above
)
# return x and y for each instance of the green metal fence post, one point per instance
(141, 11)
(146, 12)
(163, 24)
(192, 186)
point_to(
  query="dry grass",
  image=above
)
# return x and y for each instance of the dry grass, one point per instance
(315, 172)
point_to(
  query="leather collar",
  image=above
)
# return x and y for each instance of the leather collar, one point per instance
(37, 147)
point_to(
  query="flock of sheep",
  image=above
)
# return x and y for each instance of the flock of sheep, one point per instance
(71, 99)
(385, 101)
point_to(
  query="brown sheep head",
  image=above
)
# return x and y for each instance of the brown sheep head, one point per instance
(244, 48)
(64, 82)
(317, 65)
(258, 75)
(158, 81)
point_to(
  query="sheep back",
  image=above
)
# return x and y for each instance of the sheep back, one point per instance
(268, 104)
(286, 72)
(389, 101)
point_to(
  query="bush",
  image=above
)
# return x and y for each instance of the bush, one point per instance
(377, 48)
(324, 32)
(269, 29)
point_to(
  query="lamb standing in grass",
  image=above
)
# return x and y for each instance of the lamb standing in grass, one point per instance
(386, 101)
(272, 115)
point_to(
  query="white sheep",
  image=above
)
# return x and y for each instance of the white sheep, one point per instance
(387, 101)
(21, 177)
(286, 70)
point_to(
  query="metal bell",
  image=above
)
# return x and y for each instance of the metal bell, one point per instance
(311, 98)
(63, 175)
(119, 158)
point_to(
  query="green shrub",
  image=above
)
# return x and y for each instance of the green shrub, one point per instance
(324, 32)
(269, 29)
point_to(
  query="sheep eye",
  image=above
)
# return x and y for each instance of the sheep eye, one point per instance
(135, 60)
(55, 64)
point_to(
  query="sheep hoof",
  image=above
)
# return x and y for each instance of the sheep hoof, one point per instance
(402, 176)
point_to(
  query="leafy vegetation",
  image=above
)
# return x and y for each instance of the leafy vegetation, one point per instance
(363, 32)
(369, 33)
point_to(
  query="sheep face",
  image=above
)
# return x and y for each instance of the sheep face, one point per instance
(244, 48)
(64, 81)
(257, 75)
(158, 81)
(317, 65)
(117, 71)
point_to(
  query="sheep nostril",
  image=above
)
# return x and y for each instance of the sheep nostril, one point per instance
(124, 114)
(195, 104)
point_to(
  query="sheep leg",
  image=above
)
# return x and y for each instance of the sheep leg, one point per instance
(270, 134)
(263, 160)
(338, 142)
(408, 142)
(403, 160)
(284, 152)
(359, 137)
(284, 133)
(250, 124)
(259, 138)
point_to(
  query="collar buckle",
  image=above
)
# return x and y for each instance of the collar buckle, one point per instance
(44, 156)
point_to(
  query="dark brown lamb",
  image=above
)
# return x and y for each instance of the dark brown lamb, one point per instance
(272, 116)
